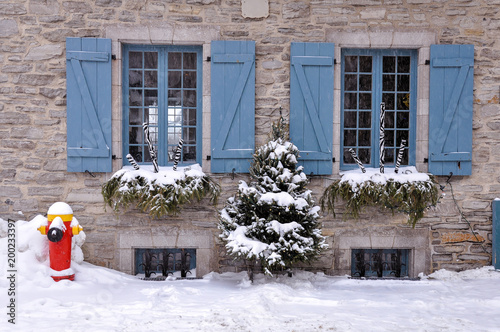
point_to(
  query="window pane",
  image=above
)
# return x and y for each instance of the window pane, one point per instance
(189, 117)
(349, 137)
(364, 155)
(403, 120)
(174, 60)
(350, 120)
(365, 64)
(174, 116)
(189, 99)
(400, 135)
(174, 79)
(351, 64)
(389, 138)
(365, 119)
(135, 97)
(151, 60)
(189, 79)
(174, 134)
(188, 153)
(403, 82)
(189, 61)
(350, 101)
(365, 82)
(151, 98)
(388, 99)
(389, 156)
(151, 116)
(388, 82)
(174, 97)
(348, 159)
(403, 64)
(135, 59)
(135, 78)
(350, 82)
(150, 79)
(364, 138)
(389, 119)
(189, 135)
(135, 116)
(403, 101)
(135, 135)
(389, 64)
(365, 101)
(136, 152)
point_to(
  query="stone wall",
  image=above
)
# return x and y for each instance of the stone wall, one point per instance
(33, 114)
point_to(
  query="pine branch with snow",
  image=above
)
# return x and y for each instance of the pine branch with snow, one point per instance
(158, 194)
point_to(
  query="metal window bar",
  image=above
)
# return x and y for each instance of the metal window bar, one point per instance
(379, 263)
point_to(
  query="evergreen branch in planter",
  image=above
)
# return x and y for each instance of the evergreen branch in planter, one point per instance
(402, 193)
(158, 194)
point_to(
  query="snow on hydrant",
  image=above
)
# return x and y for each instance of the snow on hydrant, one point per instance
(60, 228)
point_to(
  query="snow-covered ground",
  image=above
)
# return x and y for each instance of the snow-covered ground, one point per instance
(105, 300)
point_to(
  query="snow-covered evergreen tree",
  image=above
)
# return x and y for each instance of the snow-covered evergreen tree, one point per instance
(273, 220)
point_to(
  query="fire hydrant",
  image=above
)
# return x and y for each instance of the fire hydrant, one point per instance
(60, 229)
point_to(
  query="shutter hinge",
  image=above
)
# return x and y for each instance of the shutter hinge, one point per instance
(333, 160)
(113, 56)
(334, 61)
(427, 62)
(426, 160)
(209, 58)
(209, 157)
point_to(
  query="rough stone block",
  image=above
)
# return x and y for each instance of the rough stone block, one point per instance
(12, 9)
(461, 237)
(442, 258)
(469, 257)
(8, 28)
(295, 9)
(8, 191)
(43, 7)
(44, 52)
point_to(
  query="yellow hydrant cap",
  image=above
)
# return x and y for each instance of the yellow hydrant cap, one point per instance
(42, 230)
(60, 209)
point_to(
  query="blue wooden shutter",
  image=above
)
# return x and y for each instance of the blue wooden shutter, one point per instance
(232, 105)
(88, 83)
(450, 109)
(311, 105)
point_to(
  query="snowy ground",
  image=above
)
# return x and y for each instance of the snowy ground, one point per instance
(105, 300)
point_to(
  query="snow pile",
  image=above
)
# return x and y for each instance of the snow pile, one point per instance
(486, 272)
(165, 176)
(101, 299)
(405, 175)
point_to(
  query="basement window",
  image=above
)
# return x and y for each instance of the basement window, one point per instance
(379, 263)
(159, 263)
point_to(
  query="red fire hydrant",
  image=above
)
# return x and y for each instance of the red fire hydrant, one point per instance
(60, 229)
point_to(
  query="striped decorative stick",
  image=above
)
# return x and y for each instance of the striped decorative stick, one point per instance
(152, 152)
(177, 156)
(400, 155)
(356, 159)
(132, 162)
(382, 137)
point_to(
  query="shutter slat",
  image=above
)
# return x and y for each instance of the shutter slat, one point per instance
(232, 105)
(311, 104)
(88, 84)
(450, 109)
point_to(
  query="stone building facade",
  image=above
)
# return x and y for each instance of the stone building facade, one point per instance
(33, 121)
